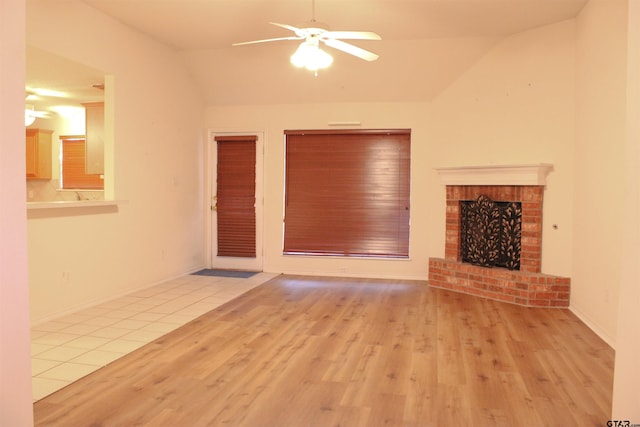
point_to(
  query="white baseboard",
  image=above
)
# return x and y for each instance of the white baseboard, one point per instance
(422, 278)
(97, 301)
(593, 326)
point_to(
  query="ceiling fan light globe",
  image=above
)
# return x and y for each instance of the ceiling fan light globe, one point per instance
(322, 59)
(29, 115)
(298, 58)
(311, 57)
(28, 119)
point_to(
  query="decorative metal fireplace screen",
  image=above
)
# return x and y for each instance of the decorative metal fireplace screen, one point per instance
(490, 233)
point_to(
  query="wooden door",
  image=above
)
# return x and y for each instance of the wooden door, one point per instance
(234, 204)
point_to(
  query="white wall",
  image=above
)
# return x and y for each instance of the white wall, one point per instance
(274, 119)
(600, 161)
(626, 390)
(15, 361)
(86, 255)
(515, 105)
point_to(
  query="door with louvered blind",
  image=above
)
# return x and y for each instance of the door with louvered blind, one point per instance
(234, 203)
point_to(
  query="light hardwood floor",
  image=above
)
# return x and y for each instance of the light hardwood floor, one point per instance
(310, 351)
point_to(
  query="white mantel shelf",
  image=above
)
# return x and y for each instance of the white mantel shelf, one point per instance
(530, 174)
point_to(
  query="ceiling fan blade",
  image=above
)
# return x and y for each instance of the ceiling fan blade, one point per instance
(351, 49)
(352, 35)
(268, 40)
(288, 27)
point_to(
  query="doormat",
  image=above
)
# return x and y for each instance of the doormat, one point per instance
(225, 273)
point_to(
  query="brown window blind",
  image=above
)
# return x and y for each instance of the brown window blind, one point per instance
(347, 193)
(74, 164)
(236, 214)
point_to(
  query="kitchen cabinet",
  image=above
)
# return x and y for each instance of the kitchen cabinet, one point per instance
(38, 153)
(94, 149)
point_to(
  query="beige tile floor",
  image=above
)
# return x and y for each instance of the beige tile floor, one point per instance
(68, 348)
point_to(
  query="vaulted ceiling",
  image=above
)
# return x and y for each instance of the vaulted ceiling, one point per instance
(425, 44)
(216, 24)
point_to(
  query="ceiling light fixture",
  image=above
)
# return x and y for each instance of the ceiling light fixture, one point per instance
(310, 56)
(29, 115)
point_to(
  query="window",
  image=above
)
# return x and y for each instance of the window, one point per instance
(72, 165)
(347, 193)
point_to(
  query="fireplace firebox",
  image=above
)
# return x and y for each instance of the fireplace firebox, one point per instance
(490, 233)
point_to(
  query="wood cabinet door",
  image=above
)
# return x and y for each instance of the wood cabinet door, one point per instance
(32, 153)
(38, 153)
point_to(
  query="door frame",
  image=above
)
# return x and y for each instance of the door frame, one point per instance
(211, 243)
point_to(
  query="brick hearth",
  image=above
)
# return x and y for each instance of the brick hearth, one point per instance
(528, 286)
(522, 288)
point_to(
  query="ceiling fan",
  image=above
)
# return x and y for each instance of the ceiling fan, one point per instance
(309, 54)
(31, 114)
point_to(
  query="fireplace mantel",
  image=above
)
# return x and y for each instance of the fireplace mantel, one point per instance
(530, 174)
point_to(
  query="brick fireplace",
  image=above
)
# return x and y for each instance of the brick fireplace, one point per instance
(527, 286)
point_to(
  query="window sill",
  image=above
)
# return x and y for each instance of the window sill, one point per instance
(346, 256)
